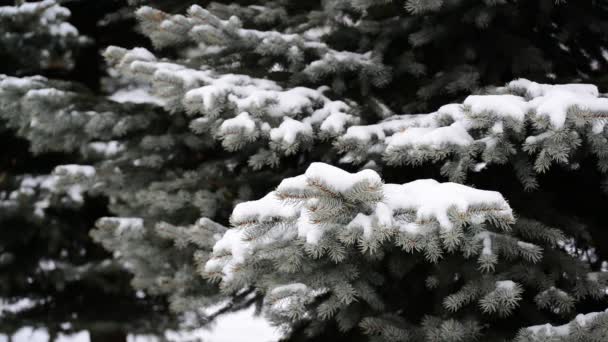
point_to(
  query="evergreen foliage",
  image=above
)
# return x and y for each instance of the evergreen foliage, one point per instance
(53, 276)
(37, 35)
(242, 98)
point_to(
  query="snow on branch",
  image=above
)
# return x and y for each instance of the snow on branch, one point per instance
(228, 36)
(330, 214)
(39, 31)
(547, 122)
(585, 327)
(238, 109)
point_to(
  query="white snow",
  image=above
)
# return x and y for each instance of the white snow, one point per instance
(266, 208)
(555, 104)
(480, 119)
(364, 222)
(452, 110)
(136, 95)
(364, 133)
(74, 170)
(533, 139)
(289, 288)
(479, 166)
(242, 121)
(433, 200)
(382, 216)
(533, 89)
(309, 231)
(338, 179)
(238, 326)
(511, 106)
(16, 307)
(44, 187)
(289, 130)
(63, 29)
(565, 329)
(107, 148)
(455, 134)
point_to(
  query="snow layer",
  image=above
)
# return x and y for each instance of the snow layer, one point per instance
(136, 95)
(502, 105)
(533, 89)
(289, 130)
(267, 208)
(433, 200)
(339, 179)
(74, 170)
(285, 113)
(292, 217)
(455, 134)
(481, 120)
(581, 320)
(242, 121)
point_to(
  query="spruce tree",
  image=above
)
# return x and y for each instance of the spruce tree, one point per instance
(302, 98)
(53, 276)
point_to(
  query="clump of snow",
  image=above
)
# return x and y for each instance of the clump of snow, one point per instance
(232, 246)
(479, 166)
(107, 148)
(453, 110)
(289, 130)
(555, 104)
(433, 200)
(289, 288)
(511, 106)
(455, 134)
(74, 170)
(264, 209)
(17, 306)
(338, 179)
(43, 188)
(382, 216)
(136, 95)
(581, 320)
(308, 230)
(532, 89)
(336, 121)
(242, 121)
(364, 133)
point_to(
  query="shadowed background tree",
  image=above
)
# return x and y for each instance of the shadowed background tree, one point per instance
(53, 276)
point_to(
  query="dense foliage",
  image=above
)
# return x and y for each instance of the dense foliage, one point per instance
(242, 163)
